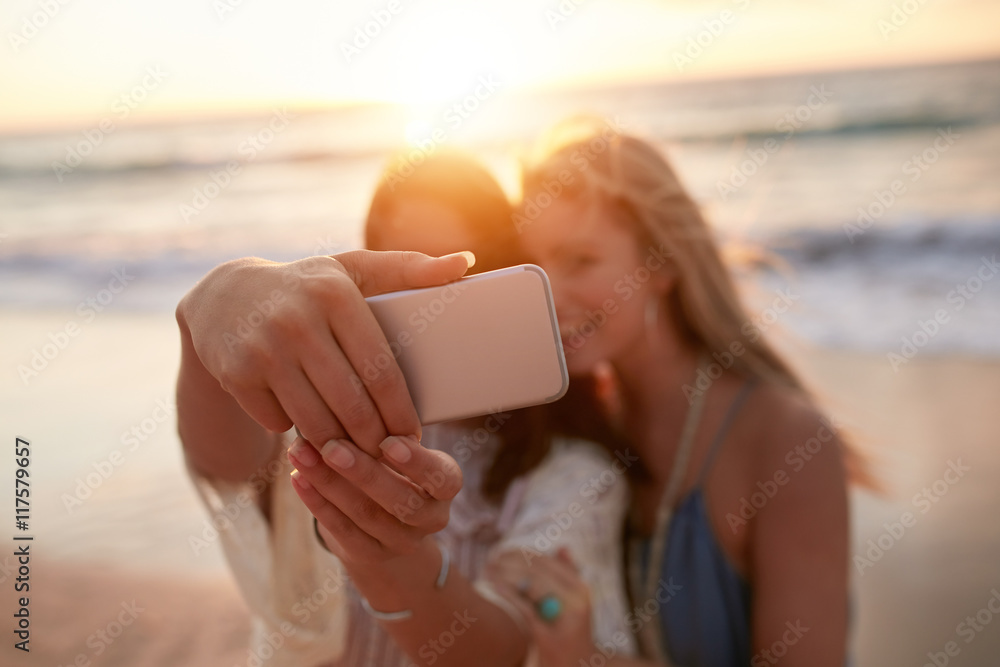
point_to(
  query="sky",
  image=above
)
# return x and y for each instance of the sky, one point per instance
(66, 63)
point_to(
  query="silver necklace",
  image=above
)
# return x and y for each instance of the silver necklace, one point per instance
(651, 633)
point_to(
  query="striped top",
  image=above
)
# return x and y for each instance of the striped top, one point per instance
(305, 612)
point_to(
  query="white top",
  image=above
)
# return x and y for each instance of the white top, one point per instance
(305, 610)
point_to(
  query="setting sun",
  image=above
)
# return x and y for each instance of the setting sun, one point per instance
(443, 58)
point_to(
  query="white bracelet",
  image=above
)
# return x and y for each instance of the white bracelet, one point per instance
(385, 615)
(404, 614)
(445, 566)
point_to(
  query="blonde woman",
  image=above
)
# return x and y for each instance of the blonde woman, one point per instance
(714, 413)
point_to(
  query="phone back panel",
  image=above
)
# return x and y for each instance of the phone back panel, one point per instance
(484, 344)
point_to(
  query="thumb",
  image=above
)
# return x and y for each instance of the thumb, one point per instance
(377, 272)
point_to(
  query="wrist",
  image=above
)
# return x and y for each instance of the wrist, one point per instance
(402, 582)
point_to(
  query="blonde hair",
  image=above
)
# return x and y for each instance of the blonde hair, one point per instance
(632, 176)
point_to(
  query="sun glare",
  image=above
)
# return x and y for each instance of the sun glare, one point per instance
(444, 57)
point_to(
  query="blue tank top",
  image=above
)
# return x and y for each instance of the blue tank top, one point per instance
(706, 621)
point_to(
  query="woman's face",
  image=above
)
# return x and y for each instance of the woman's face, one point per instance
(602, 280)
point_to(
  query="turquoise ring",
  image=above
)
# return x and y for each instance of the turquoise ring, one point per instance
(549, 608)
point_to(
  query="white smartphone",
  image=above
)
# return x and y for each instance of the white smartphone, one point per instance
(483, 344)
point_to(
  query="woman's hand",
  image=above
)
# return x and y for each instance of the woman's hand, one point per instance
(296, 343)
(374, 510)
(376, 515)
(526, 580)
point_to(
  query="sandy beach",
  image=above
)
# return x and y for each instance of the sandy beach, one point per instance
(119, 560)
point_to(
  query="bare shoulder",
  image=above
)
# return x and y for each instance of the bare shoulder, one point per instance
(797, 452)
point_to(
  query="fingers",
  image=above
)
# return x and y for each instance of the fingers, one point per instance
(564, 635)
(379, 272)
(263, 407)
(369, 386)
(434, 471)
(377, 498)
(307, 409)
(541, 576)
(523, 605)
(357, 416)
(513, 568)
(316, 356)
(558, 573)
(357, 512)
(349, 538)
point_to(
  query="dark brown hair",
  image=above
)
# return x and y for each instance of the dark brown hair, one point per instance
(458, 181)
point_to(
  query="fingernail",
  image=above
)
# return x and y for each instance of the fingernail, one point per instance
(396, 449)
(300, 480)
(338, 453)
(303, 453)
(470, 259)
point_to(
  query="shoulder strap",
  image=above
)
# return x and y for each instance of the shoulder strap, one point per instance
(727, 421)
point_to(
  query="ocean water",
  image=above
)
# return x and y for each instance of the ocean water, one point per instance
(879, 190)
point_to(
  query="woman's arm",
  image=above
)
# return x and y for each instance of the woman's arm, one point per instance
(220, 439)
(800, 543)
(376, 517)
(266, 345)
